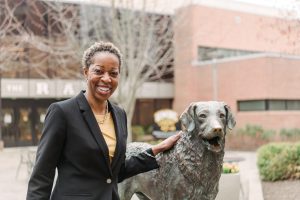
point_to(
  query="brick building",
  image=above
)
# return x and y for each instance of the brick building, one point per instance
(245, 55)
(225, 50)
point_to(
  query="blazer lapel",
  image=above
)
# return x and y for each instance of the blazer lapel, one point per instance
(93, 126)
(119, 130)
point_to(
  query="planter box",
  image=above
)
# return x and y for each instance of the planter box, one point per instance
(229, 187)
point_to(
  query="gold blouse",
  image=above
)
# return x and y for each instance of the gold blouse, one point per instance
(108, 131)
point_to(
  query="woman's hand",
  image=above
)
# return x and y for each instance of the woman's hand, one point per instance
(166, 144)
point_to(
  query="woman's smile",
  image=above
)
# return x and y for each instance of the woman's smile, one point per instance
(104, 90)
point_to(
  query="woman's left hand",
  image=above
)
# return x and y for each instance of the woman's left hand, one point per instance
(166, 144)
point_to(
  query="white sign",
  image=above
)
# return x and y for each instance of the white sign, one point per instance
(40, 88)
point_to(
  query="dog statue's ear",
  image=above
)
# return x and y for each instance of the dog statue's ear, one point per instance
(187, 118)
(230, 121)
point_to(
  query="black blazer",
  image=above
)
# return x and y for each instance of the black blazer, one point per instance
(72, 142)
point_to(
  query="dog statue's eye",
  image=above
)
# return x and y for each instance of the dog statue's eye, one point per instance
(202, 116)
(222, 115)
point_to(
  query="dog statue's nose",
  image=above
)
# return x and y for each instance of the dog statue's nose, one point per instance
(215, 130)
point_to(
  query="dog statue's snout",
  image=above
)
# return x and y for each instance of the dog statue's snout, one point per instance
(216, 127)
(217, 130)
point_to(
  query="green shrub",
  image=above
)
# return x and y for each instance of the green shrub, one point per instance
(137, 131)
(268, 134)
(279, 161)
(257, 132)
(148, 130)
(251, 130)
(290, 133)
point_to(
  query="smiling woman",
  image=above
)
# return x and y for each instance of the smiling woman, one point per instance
(84, 138)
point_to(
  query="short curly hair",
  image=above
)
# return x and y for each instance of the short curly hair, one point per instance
(100, 47)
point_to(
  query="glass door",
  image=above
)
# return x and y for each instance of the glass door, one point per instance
(24, 125)
(8, 126)
(41, 114)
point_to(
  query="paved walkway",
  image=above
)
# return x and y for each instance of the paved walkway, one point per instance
(13, 185)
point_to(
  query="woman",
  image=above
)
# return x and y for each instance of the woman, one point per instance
(85, 138)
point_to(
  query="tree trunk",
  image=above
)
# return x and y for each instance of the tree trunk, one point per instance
(126, 96)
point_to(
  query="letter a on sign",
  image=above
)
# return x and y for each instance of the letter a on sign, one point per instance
(68, 89)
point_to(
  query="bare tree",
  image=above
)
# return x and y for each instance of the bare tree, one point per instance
(284, 27)
(34, 40)
(55, 34)
(7, 27)
(11, 43)
(146, 42)
(144, 38)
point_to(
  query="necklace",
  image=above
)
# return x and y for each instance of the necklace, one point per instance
(105, 115)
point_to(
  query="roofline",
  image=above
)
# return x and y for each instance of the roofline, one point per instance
(245, 57)
(169, 6)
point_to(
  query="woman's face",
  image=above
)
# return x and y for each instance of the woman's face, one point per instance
(102, 76)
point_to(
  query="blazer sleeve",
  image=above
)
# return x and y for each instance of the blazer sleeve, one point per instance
(143, 162)
(48, 154)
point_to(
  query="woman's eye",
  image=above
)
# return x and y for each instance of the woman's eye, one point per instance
(98, 72)
(222, 115)
(114, 74)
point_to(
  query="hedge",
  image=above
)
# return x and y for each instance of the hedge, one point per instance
(279, 161)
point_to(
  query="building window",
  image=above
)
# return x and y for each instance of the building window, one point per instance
(276, 104)
(210, 53)
(268, 104)
(293, 104)
(251, 105)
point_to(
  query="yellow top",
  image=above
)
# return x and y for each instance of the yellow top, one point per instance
(108, 132)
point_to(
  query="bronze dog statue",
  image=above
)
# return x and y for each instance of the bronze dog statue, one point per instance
(192, 169)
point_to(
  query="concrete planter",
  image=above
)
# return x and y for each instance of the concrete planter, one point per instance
(229, 187)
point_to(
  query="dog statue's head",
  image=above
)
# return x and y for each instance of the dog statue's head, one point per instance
(208, 120)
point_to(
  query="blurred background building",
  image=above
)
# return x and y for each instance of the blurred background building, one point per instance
(244, 54)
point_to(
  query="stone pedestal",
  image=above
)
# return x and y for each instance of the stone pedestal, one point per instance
(229, 187)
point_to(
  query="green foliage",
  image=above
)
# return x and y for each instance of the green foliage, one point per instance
(149, 130)
(252, 137)
(137, 131)
(290, 133)
(268, 134)
(251, 130)
(279, 161)
(256, 131)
